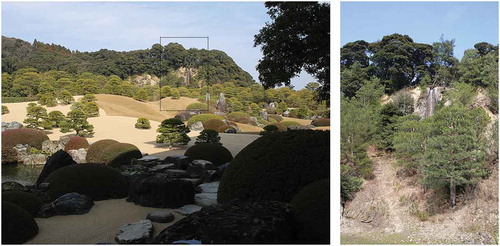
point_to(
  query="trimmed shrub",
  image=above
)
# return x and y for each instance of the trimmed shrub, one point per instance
(321, 122)
(202, 118)
(18, 226)
(197, 106)
(143, 123)
(56, 118)
(97, 181)
(76, 142)
(213, 124)
(94, 153)
(214, 153)
(119, 154)
(311, 209)
(173, 131)
(65, 97)
(25, 200)
(11, 138)
(5, 109)
(243, 120)
(48, 100)
(281, 127)
(276, 166)
(223, 128)
(91, 109)
(235, 115)
(290, 123)
(88, 98)
(269, 129)
(276, 117)
(208, 136)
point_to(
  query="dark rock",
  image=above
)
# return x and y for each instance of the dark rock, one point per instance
(177, 174)
(264, 222)
(187, 242)
(231, 130)
(186, 115)
(188, 209)
(161, 191)
(195, 182)
(147, 161)
(160, 216)
(179, 161)
(40, 191)
(160, 168)
(133, 172)
(135, 233)
(11, 185)
(208, 187)
(200, 169)
(56, 161)
(71, 203)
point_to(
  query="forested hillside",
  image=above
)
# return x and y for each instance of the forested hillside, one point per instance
(181, 67)
(418, 102)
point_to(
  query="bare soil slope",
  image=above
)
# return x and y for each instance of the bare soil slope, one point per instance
(125, 106)
(381, 212)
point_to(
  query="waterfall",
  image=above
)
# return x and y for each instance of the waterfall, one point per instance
(430, 102)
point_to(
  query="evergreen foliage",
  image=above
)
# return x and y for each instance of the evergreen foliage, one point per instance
(143, 123)
(5, 109)
(35, 116)
(208, 136)
(76, 120)
(173, 131)
(65, 97)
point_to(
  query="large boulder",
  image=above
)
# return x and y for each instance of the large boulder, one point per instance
(11, 125)
(197, 126)
(264, 222)
(71, 203)
(35, 159)
(201, 169)
(161, 191)
(135, 233)
(22, 151)
(188, 209)
(78, 155)
(57, 160)
(52, 146)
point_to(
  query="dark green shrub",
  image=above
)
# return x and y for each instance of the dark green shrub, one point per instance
(269, 129)
(76, 142)
(276, 166)
(311, 209)
(25, 200)
(56, 118)
(5, 110)
(91, 109)
(173, 131)
(275, 117)
(202, 118)
(47, 100)
(18, 226)
(321, 122)
(214, 153)
(235, 115)
(65, 97)
(213, 124)
(94, 153)
(143, 123)
(11, 138)
(289, 123)
(208, 136)
(197, 106)
(88, 98)
(281, 127)
(97, 181)
(119, 154)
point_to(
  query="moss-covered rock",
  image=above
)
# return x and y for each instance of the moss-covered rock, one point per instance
(95, 150)
(97, 181)
(119, 154)
(212, 152)
(25, 200)
(276, 166)
(76, 142)
(311, 209)
(17, 224)
(11, 138)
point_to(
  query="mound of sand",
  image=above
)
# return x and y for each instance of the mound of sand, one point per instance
(125, 106)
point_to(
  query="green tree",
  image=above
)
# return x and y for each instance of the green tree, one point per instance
(26, 84)
(57, 118)
(173, 131)
(35, 116)
(6, 85)
(255, 109)
(282, 107)
(208, 136)
(175, 94)
(461, 94)
(445, 61)
(113, 85)
(91, 109)
(5, 109)
(88, 98)
(141, 95)
(298, 37)
(351, 79)
(143, 123)
(76, 120)
(48, 100)
(404, 102)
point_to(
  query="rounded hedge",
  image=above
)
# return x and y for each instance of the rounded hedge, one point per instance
(311, 209)
(119, 154)
(95, 150)
(143, 123)
(215, 153)
(321, 122)
(290, 123)
(25, 200)
(270, 128)
(202, 118)
(276, 117)
(97, 181)
(11, 138)
(243, 120)
(197, 106)
(281, 127)
(18, 226)
(275, 166)
(235, 115)
(213, 124)
(223, 128)
(76, 142)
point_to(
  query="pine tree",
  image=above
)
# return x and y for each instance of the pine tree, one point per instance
(173, 131)
(208, 136)
(36, 116)
(77, 121)
(65, 97)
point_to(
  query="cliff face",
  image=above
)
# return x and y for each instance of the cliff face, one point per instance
(157, 61)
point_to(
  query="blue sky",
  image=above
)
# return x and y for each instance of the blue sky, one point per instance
(125, 26)
(467, 22)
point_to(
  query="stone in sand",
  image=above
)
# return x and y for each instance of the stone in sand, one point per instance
(71, 203)
(161, 191)
(197, 126)
(160, 216)
(188, 209)
(135, 233)
(56, 161)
